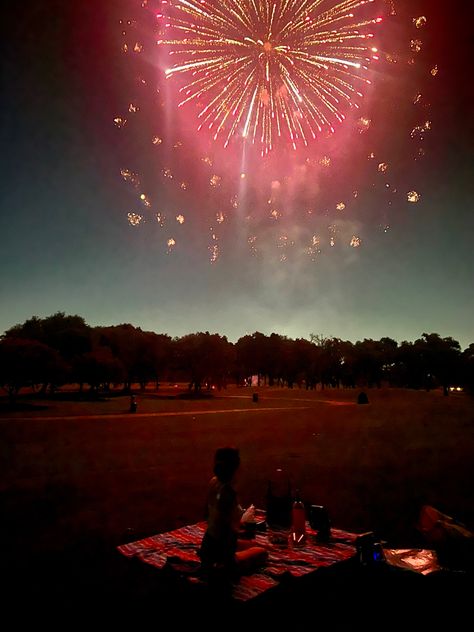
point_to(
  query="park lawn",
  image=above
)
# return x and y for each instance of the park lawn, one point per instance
(74, 486)
(111, 476)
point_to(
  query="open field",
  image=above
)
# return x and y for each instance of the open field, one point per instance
(81, 477)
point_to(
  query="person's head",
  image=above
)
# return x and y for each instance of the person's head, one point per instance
(226, 463)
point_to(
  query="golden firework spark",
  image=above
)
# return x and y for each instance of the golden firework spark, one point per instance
(130, 176)
(413, 197)
(420, 22)
(134, 219)
(416, 45)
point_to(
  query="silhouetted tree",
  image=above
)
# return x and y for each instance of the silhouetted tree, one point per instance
(441, 360)
(374, 360)
(468, 368)
(143, 354)
(348, 364)
(304, 353)
(330, 359)
(70, 336)
(98, 368)
(63, 348)
(291, 362)
(252, 356)
(409, 368)
(26, 363)
(206, 358)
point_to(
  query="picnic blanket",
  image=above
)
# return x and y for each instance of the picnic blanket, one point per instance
(179, 549)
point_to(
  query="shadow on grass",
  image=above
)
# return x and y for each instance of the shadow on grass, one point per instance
(195, 395)
(6, 406)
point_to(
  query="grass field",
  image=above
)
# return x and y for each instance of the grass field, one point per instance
(78, 476)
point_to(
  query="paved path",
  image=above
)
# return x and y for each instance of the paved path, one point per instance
(129, 416)
(332, 402)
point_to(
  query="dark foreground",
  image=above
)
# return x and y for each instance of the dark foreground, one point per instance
(90, 585)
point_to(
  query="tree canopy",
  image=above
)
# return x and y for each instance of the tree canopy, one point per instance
(64, 349)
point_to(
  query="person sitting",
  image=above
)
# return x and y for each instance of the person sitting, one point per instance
(452, 540)
(221, 549)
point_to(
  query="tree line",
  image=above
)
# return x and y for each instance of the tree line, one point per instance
(47, 353)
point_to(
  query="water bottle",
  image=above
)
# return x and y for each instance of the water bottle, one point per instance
(298, 520)
(279, 505)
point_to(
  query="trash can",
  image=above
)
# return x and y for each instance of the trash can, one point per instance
(255, 397)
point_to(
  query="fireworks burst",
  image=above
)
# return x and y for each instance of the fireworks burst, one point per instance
(271, 74)
(270, 69)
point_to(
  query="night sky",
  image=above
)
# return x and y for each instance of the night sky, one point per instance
(67, 244)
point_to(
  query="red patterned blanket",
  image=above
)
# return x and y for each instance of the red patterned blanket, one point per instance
(179, 549)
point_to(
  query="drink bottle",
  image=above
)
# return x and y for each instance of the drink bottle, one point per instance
(279, 503)
(298, 519)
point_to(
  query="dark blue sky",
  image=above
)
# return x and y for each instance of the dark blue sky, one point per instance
(67, 245)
